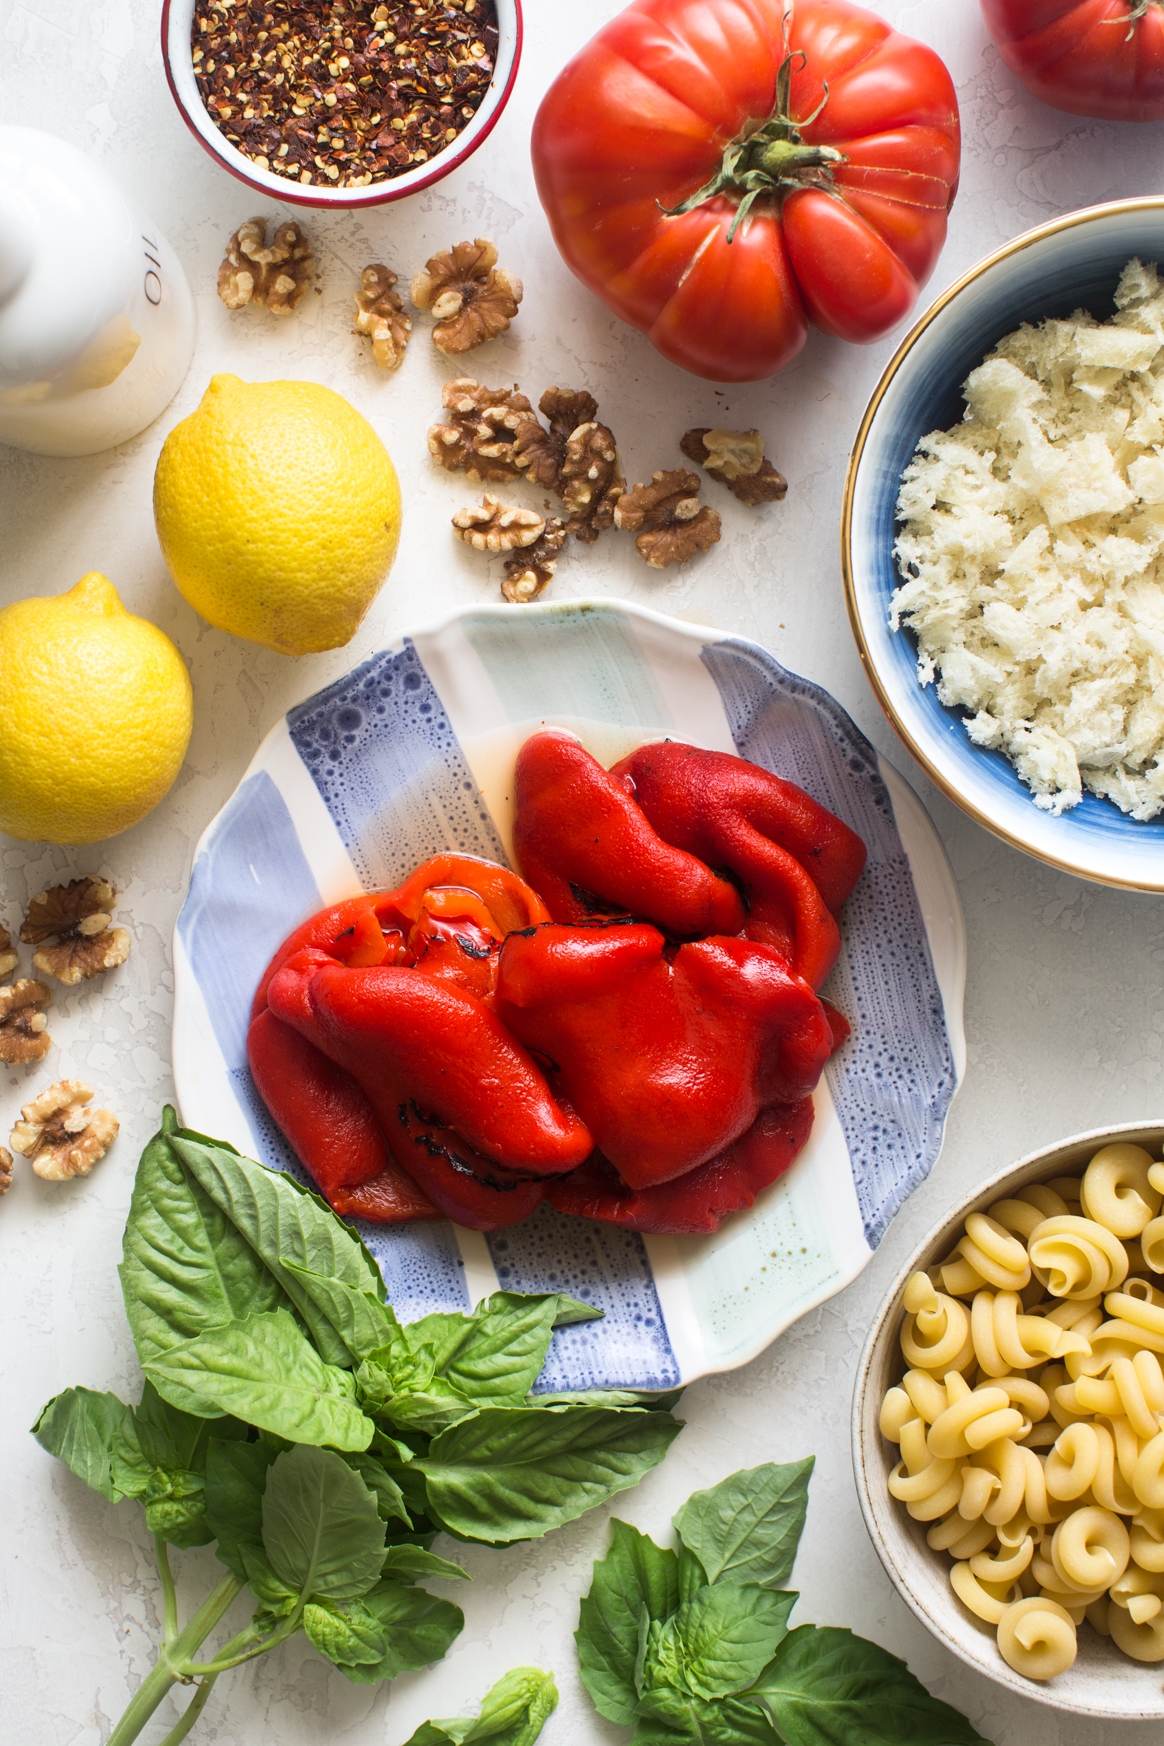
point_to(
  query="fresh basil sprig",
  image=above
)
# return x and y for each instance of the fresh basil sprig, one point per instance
(290, 1416)
(514, 1713)
(693, 1648)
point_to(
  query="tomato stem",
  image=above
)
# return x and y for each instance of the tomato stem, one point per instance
(769, 157)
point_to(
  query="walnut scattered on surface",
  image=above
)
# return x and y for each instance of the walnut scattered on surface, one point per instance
(5, 1169)
(471, 298)
(737, 458)
(60, 1134)
(276, 276)
(78, 915)
(9, 957)
(491, 526)
(23, 1026)
(668, 518)
(480, 436)
(381, 316)
(531, 572)
(592, 481)
(540, 452)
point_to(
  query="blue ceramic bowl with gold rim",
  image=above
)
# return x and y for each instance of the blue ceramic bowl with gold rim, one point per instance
(412, 753)
(1073, 262)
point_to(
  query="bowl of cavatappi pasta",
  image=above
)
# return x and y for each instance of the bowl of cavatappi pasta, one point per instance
(1008, 1427)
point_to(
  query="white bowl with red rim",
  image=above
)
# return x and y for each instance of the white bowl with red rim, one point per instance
(177, 57)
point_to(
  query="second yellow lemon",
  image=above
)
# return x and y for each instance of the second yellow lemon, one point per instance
(278, 511)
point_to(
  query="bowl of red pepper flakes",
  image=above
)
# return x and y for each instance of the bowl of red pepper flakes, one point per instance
(340, 103)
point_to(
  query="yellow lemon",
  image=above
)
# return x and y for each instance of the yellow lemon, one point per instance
(96, 715)
(278, 511)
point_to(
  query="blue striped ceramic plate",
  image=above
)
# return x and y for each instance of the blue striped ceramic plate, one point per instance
(1073, 262)
(413, 753)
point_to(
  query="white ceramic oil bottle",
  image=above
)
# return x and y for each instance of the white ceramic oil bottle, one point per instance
(96, 316)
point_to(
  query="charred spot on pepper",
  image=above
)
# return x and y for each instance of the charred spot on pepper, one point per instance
(470, 948)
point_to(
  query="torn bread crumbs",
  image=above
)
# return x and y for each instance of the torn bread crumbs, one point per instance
(1032, 552)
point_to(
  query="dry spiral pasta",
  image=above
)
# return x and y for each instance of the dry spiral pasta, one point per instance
(1030, 1415)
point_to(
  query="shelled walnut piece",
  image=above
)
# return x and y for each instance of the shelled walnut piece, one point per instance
(5, 1170)
(493, 526)
(478, 439)
(670, 522)
(78, 916)
(737, 459)
(60, 1134)
(381, 316)
(23, 1025)
(539, 452)
(471, 298)
(530, 573)
(592, 481)
(8, 954)
(275, 276)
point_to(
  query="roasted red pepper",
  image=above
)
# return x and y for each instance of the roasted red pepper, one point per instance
(700, 1201)
(795, 860)
(587, 848)
(667, 1055)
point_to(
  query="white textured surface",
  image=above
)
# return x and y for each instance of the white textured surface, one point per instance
(1064, 1009)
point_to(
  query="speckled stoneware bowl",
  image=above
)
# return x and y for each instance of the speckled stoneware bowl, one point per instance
(1103, 1681)
(1073, 262)
(177, 18)
(412, 753)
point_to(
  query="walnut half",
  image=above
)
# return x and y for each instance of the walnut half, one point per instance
(9, 957)
(61, 1136)
(23, 1025)
(670, 523)
(737, 459)
(481, 434)
(5, 1169)
(492, 526)
(78, 914)
(381, 316)
(276, 276)
(530, 573)
(470, 296)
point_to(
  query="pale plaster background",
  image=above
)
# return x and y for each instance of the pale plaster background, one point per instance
(1063, 1008)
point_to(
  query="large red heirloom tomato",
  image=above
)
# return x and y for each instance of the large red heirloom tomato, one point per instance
(724, 172)
(1103, 58)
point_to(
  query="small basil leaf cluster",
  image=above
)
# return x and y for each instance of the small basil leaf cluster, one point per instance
(693, 1646)
(290, 1416)
(513, 1714)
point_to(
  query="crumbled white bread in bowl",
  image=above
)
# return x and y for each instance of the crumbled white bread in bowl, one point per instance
(1032, 554)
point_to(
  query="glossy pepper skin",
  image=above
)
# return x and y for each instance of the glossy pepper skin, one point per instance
(461, 1104)
(697, 1203)
(447, 920)
(796, 862)
(667, 1055)
(587, 848)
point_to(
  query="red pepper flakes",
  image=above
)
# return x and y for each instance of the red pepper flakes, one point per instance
(343, 92)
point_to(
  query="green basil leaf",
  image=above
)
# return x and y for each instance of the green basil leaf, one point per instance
(277, 1598)
(282, 1225)
(79, 1427)
(504, 1348)
(184, 1265)
(236, 1477)
(388, 1495)
(671, 1718)
(719, 1641)
(514, 1474)
(350, 1635)
(636, 1581)
(432, 1410)
(410, 1563)
(419, 1629)
(627, 1399)
(825, 1687)
(263, 1370)
(175, 1508)
(746, 1529)
(363, 1323)
(513, 1714)
(321, 1529)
